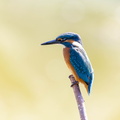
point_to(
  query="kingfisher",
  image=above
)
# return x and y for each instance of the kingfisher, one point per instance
(76, 58)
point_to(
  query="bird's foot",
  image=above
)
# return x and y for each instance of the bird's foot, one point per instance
(74, 83)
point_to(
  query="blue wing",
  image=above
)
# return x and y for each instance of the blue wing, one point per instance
(82, 65)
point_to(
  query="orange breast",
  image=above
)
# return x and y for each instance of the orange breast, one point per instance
(66, 53)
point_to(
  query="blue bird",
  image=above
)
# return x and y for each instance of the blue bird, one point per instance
(76, 58)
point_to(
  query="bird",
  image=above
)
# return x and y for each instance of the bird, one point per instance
(76, 58)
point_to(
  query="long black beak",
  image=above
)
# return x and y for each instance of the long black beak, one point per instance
(51, 42)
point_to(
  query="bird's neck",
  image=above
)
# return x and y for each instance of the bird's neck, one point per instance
(73, 44)
(67, 44)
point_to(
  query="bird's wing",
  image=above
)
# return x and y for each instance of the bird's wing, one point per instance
(81, 64)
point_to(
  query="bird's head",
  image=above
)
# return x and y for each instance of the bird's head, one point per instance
(67, 39)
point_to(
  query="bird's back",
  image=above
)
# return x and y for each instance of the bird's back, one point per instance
(79, 64)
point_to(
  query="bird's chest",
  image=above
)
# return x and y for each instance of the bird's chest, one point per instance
(66, 54)
(67, 57)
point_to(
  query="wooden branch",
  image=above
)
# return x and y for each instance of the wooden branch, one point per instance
(79, 99)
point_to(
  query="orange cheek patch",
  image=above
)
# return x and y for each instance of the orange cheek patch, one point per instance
(70, 41)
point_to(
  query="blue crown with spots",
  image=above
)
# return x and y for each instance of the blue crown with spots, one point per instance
(70, 35)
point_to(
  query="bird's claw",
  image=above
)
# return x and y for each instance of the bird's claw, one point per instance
(74, 83)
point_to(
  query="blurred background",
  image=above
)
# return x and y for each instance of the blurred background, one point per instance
(34, 82)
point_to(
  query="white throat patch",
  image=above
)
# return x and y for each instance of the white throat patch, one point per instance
(77, 44)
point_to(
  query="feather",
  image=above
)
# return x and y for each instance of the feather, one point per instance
(81, 63)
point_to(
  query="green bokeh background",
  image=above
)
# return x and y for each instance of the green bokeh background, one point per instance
(34, 82)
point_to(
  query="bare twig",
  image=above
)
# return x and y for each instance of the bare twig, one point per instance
(79, 99)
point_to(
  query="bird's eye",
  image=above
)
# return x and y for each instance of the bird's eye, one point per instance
(59, 39)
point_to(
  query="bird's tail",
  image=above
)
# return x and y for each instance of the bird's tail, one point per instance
(90, 83)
